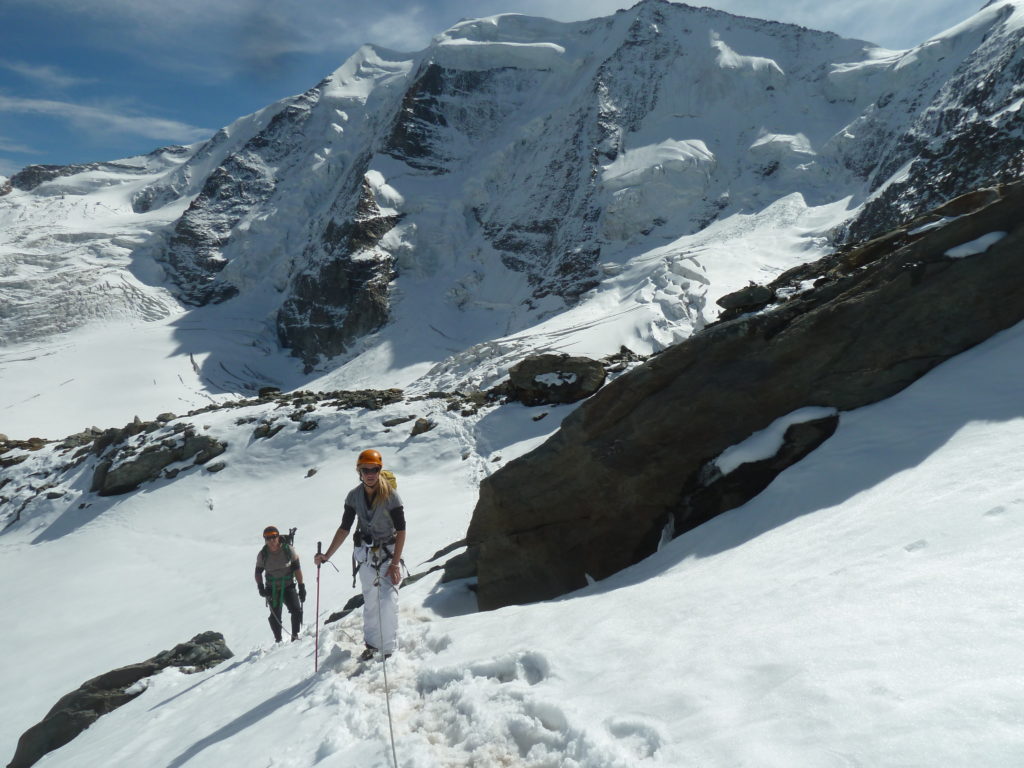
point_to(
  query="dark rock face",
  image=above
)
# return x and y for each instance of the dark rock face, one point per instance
(554, 238)
(421, 112)
(126, 470)
(245, 179)
(342, 298)
(79, 709)
(581, 504)
(963, 137)
(750, 299)
(709, 493)
(543, 379)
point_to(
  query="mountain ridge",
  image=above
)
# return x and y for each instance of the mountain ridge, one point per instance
(252, 225)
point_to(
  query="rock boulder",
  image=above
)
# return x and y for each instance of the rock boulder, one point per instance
(550, 379)
(597, 495)
(79, 709)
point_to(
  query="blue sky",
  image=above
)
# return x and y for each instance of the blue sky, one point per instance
(85, 80)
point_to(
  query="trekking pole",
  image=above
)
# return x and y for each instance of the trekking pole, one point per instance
(316, 647)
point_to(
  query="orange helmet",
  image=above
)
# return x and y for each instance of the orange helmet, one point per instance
(370, 456)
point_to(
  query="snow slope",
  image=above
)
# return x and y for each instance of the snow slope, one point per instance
(860, 611)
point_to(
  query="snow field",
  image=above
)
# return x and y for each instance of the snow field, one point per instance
(860, 611)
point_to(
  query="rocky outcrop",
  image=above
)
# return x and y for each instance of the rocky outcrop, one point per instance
(963, 134)
(131, 466)
(544, 379)
(749, 299)
(709, 492)
(342, 298)
(597, 496)
(195, 254)
(79, 709)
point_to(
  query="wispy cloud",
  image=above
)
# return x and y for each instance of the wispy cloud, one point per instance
(7, 168)
(106, 120)
(6, 145)
(227, 37)
(44, 75)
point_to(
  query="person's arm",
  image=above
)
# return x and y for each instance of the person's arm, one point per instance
(348, 518)
(339, 537)
(395, 569)
(399, 546)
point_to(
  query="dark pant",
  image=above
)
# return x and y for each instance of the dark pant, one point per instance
(291, 599)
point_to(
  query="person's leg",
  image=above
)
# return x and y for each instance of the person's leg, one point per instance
(291, 599)
(388, 612)
(275, 621)
(371, 614)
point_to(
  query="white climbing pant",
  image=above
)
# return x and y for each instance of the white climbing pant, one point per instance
(380, 600)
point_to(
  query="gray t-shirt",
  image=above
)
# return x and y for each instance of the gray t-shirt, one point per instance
(378, 521)
(277, 564)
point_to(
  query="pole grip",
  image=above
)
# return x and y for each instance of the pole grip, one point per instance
(319, 544)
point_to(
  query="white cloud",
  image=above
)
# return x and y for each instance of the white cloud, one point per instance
(105, 120)
(403, 31)
(256, 36)
(44, 75)
(7, 169)
(6, 145)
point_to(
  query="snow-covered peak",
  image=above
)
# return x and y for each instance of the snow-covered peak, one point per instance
(357, 77)
(1007, 15)
(433, 216)
(505, 28)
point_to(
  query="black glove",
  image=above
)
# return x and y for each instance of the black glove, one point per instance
(262, 589)
(302, 593)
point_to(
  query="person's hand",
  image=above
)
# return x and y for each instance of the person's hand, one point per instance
(319, 558)
(262, 589)
(302, 593)
(395, 573)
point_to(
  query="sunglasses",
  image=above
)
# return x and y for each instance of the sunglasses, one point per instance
(271, 537)
(369, 470)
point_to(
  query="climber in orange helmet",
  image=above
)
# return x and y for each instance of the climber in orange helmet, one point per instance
(376, 508)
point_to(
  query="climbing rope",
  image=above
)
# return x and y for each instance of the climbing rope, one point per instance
(384, 661)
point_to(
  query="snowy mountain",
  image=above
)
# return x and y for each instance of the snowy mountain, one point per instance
(516, 169)
(425, 221)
